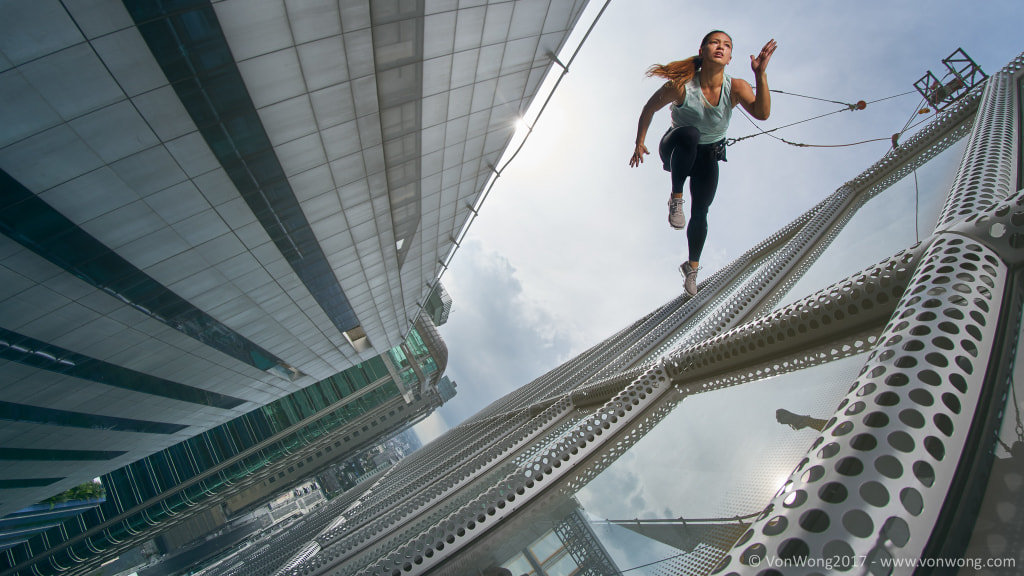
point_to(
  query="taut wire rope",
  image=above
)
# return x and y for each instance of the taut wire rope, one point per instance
(847, 106)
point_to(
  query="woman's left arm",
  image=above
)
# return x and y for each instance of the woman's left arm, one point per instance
(757, 101)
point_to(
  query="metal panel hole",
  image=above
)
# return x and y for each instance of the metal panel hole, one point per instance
(965, 364)
(838, 549)
(969, 347)
(913, 346)
(887, 399)
(954, 313)
(813, 474)
(951, 402)
(855, 408)
(874, 493)
(912, 418)
(867, 389)
(796, 548)
(944, 424)
(921, 396)
(829, 450)
(850, 466)
(912, 501)
(920, 330)
(876, 420)
(858, 523)
(958, 382)
(833, 493)
(864, 442)
(795, 499)
(906, 362)
(843, 429)
(924, 473)
(753, 554)
(935, 447)
(897, 531)
(901, 441)
(890, 467)
(775, 526)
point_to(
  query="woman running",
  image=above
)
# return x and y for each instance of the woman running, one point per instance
(702, 96)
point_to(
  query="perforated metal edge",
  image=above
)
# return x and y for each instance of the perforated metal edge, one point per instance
(874, 481)
(986, 175)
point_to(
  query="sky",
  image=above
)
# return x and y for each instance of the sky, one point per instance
(571, 244)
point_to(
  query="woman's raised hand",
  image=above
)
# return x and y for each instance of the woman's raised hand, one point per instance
(760, 63)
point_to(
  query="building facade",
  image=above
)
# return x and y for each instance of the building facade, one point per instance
(206, 206)
(197, 485)
(17, 528)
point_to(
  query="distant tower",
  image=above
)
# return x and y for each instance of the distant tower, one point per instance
(446, 388)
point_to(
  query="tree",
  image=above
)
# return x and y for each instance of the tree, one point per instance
(86, 491)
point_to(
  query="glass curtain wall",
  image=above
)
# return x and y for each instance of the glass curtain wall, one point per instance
(164, 484)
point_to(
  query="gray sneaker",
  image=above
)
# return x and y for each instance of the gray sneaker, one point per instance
(690, 276)
(676, 214)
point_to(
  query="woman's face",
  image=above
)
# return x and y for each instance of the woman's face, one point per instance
(718, 48)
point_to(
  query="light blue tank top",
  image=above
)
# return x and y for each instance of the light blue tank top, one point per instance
(696, 111)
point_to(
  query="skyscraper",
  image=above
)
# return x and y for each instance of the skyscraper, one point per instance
(446, 388)
(208, 206)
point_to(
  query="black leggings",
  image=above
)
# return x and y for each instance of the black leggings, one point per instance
(684, 157)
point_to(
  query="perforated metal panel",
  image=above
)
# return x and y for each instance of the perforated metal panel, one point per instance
(875, 480)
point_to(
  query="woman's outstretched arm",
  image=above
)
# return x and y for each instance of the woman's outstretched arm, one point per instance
(758, 101)
(663, 97)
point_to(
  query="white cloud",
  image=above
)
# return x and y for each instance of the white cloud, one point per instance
(499, 336)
